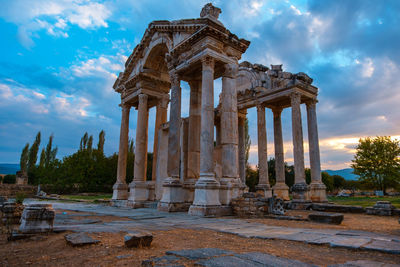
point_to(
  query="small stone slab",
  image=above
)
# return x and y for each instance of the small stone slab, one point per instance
(337, 208)
(167, 260)
(227, 261)
(364, 263)
(202, 253)
(324, 217)
(384, 246)
(271, 260)
(80, 239)
(138, 239)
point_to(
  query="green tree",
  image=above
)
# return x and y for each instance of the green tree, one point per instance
(50, 152)
(100, 144)
(23, 162)
(338, 181)
(42, 160)
(328, 181)
(33, 153)
(377, 162)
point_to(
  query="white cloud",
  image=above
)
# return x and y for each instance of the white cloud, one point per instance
(103, 65)
(53, 16)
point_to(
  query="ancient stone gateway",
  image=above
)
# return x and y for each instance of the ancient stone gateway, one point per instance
(190, 173)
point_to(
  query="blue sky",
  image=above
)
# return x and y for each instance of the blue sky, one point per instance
(59, 60)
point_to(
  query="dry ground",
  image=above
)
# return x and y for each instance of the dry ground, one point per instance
(363, 222)
(52, 250)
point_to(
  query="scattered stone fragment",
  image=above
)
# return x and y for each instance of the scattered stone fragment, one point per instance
(324, 217)
(382, 208)
(11, 213)
(202, 253)
(124, 256)
(138, 239)
(364, 263)
(80, 239)
(37, 218)
(167, 260)
(384, 246)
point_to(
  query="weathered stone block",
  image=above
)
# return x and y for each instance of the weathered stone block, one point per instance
(80, 239)
(323, 217)
(37, 218)
(382, 208)
(139, 239)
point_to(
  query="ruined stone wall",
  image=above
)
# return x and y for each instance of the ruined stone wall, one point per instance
(11, 190)
(249, 205)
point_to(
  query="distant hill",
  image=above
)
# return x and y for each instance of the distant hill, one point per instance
(345, 173)
(8, 168)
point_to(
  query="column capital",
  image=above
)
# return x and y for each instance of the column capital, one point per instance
(231, 70)
(174, 78)
(125, 106)
(163, 102)
(277, 111)
(260, 107)
(208, 62)
(311, 102)
(295, 98)
(142, 98)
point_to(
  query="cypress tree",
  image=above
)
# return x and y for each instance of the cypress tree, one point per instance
(23, 162)
(100, 145)
(33, 152)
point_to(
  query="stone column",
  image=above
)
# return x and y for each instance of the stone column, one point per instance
(138, 188)
(242, 148)
(317, 188)
(280, 189)
(193, 157)
(120, 188)
(230, 182)
(300, 188)
(263, 187)
(172, 188)
(206, 199)
(161, 118)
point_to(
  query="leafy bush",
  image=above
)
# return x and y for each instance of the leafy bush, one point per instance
(19, 198)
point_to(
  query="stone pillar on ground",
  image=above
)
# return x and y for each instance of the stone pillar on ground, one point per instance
(206, 197)
(138, 189)
(193, 171)
(300, 188)
(120, 188)
(263, 187)
(161, 118)
(242, 147)
(162, 160)
(229, 136)
(280, 189)
(317, 188)
(172, 198)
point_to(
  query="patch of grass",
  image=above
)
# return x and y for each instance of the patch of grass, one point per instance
(94, 198)
(364, 201)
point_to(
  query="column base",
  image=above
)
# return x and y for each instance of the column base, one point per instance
(281, 190)
(229, 188)
(119, 203)
(188, 187)
(120, 191)
(172, 198)
(151, 193)
(318, 192)
(206, 196)
(300, 193)
(264, 190)
(138, 194)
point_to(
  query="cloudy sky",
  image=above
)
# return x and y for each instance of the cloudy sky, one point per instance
(60, 58)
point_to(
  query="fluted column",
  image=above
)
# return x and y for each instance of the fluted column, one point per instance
(172, 197)
(242, 148)
(317, 188)
(194, 130)
(120, 188)
(141, 139)
(206, 197)
(138, 189)
(229, 182)
(280, 189)
(300, 187)
(161, 118)
(263, 183)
